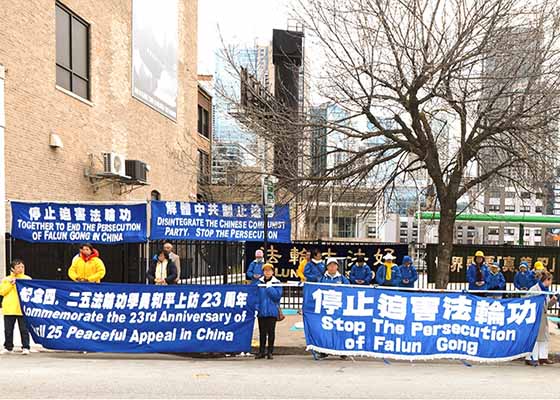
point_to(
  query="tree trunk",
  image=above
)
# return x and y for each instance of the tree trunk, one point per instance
(445, 245)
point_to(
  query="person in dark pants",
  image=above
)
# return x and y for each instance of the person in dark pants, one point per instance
(268, 310)
(12, 309)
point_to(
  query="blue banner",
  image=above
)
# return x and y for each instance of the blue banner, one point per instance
(345, 320)
(173, 220)
(79, 223)
(127, 318)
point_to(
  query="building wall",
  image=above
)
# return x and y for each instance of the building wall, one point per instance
(111, 121)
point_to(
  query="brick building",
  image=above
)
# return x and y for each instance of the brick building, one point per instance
(69, 97)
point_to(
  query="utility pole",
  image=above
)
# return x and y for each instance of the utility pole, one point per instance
(269, 200)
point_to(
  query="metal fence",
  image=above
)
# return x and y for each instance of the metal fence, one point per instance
(202, 262)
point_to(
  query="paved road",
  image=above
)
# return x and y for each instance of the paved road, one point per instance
(72, 375)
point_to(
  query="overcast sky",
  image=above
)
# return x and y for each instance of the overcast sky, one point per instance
(241, 22)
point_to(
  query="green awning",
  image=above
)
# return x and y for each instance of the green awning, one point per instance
(499, 218)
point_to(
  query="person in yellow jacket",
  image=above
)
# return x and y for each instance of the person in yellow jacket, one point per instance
(88, 267)
(302, 263)
(12, 309)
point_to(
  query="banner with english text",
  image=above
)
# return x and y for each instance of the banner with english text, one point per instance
(353, 321)
(127, 318)
(79, 223)
(178, 220)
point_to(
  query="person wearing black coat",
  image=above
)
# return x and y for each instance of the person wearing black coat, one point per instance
(162, 270)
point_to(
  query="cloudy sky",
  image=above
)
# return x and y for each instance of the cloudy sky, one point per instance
(240, 22)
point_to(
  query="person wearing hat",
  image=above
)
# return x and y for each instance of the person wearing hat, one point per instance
(523, 278)
(409, 275)
(361, 273)
(332, 275)
(315, 268)
(539, 356)
(268, 310)
(254, 272)
(495, 279)
(477, 273)
(389, 273)
(538, 270)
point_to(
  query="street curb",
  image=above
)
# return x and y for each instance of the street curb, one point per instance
(279, 351)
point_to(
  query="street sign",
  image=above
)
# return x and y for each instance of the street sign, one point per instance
(269, 197)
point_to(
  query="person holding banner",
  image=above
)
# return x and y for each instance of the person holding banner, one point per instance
(255, 272)
(88, 267)
(332, 275)
(523, 278)
(361, 273)
(162, 270)
(388, 274)
(409, 275)
(315, 268)
(539, 356)
(12, 309)
(268, 310)
(477, 273)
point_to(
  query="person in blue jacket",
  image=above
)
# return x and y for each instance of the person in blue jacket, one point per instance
(255, 272)
(524, 278)
(477, 273)
(268, 310)
(409, 275)
(361, 273)
(496, 280)
(389, 273)
(315, 268)
(332, 275)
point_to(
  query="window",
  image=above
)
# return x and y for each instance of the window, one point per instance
(72, 52)
(155, 195)
(509, 208)
(404, 225)
(203, 168)
(493, 231)
(509, 231)
(538, 209)
(203, 122)
(459, 234)
(345, 226)
(404, 233)
(525, 209)
(494, 208)
(525, 195)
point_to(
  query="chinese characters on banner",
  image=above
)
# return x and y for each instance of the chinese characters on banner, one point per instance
(418, 326)
(508, 257)
(213, 221)
(139, 318)
(286, 256)
(79, 223)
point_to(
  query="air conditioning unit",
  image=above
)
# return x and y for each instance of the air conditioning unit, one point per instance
(137, 171)
(114, 164)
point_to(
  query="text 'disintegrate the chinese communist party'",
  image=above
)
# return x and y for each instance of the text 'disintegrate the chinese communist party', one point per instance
(139, 318)
(345, 320)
